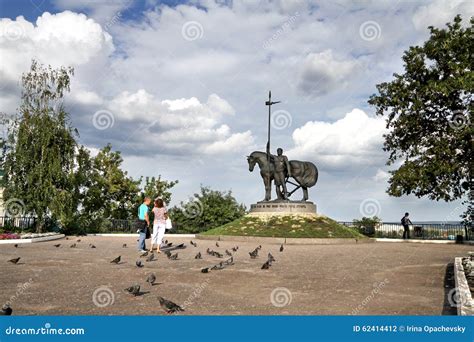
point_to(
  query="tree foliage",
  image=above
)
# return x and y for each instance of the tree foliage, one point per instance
(40, 155)
(429, 116)
(206, 210)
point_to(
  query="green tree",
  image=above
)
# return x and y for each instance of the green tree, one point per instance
(206, 210)
(109, 191)
(367, 225)
(156, 187)
(429, 116)
(40, 153)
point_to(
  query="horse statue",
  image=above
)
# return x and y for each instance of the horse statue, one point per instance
(304, 173)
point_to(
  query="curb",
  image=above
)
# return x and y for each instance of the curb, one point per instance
(465, 305)
(135, 234)
(421, 241)
(39, 239)
(287, 241)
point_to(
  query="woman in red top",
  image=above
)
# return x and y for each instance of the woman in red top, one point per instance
(159, 223)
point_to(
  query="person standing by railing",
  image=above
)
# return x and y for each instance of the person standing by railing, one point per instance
(405, 223)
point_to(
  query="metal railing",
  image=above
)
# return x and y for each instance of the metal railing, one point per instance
(18, 223)
(422, 231)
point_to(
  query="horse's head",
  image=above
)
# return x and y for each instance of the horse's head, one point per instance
(252, 161)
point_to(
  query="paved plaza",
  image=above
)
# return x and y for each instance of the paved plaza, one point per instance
(365, 279)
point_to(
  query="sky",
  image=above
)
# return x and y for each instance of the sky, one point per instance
(179, 87)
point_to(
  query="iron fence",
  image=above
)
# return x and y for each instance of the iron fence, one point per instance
(422, 231)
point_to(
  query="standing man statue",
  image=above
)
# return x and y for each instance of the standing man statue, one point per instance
(282, 170)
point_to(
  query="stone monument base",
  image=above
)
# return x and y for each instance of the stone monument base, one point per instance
(283, 208)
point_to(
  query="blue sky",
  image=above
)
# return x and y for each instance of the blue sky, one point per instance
(180, 88)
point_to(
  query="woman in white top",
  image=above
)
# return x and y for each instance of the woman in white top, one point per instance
(159, 224)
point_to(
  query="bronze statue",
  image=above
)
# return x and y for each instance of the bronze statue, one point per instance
(304, 173)
(282, 171)
(279, 169)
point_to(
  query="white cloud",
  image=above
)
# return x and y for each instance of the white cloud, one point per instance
(439, 12)
(180, 125)
(323, 72)
(66, 38)
(381, 176)
(355, 140)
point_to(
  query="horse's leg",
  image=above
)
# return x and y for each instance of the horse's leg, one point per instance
(305, 193)
(268, 184)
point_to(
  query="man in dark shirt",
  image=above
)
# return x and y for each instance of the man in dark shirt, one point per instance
(406, 229)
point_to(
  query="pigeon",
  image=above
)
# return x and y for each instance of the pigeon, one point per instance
(208, 251)
(67, 238)
(168, 254)
(198, 256)
(57, 245)
(134, 290)
(173, 257)
(281, 248)
(205, 270)
(139, 263)
(73, 245)
(92, 246)
(151, 257)
(234, 249)
(151, 279)
(229, 261)
(181, 245)
(219, 266)
(169, 306)
(166, 241)
(116, 260)
(228, 253)
(15, 245)
(124, 245)
(78, 240)
(219, 255)
(168, 244)
(270, 257)
(217, 244)
(15, 260)
(266, 265)
(144, 254)
(6, 310)
(259, 247)
(254, 253)
(194, 243)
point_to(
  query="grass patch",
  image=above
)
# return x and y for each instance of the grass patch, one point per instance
(286, 226)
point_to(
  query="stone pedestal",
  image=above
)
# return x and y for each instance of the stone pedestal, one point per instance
(283, 207)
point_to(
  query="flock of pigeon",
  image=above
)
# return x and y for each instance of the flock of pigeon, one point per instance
(167, 305)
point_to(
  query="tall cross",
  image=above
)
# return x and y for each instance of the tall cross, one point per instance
(269, 103)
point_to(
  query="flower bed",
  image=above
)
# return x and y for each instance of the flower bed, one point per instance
(9, 236)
